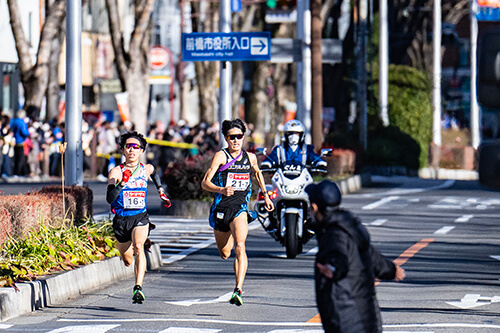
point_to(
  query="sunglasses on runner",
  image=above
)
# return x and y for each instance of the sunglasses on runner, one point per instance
(235, 136)
(133, 146)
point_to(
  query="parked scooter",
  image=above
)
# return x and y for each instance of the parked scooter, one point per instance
(287, 223)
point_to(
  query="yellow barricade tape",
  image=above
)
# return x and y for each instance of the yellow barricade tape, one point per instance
(156, 142)
(172, 144)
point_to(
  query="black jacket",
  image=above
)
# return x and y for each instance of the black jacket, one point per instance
(347, 303)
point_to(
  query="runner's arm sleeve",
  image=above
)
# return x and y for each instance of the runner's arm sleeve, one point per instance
(113, 192)
(156, 180)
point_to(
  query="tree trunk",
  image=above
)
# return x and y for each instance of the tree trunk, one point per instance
(133, 65)
(259, 104)
(206, 77)
(317, 75)
(35, 77)
(53, 89)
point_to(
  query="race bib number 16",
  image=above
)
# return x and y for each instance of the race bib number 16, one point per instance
(240, 181)
(134, 199)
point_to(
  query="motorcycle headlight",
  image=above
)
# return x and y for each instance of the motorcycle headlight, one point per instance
(292, 189)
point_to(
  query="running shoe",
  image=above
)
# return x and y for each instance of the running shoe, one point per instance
(138, 296)
(236, 298)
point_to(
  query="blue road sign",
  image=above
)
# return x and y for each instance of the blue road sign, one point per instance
(488, 14)
(226, 46)
(236, 5)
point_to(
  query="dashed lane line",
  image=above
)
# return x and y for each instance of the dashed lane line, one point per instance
(444, 230)
(377, 222)
(464, 218)
(380, 202)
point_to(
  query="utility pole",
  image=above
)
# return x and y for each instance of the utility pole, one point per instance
(361, 59)
(436, 86)
(225, 106)
(317, 75)
(304, 66)
(383, 93)
(475, 114)
(73, 171)
(180, 67)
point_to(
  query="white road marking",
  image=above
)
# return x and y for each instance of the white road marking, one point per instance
(474, 300)
(222, 299)
(446, 184)
(296, 331)
(464, 218)
(441, 206)
(197, 320)
(407, 331)
(380, 202)
(495, 257)
(377, 222)
(185, 253)
(460, 203)
(5, 326)
(189, 330)
(444, 325)
(312, 251)
(85, 329)
(444, 230)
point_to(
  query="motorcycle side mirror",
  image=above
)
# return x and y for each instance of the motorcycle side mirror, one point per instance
(260, 151)
(326, 152)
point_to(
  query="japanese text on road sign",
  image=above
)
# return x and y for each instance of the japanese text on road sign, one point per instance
(236, 46)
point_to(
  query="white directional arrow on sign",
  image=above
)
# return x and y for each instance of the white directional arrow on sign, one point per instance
(474, 300)
(221, 299)
(258, 45)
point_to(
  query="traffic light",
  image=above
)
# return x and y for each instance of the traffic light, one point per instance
(271, 3)
(488, 74)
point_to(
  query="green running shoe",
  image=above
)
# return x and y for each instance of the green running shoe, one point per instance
(236, 298)
(138, 296)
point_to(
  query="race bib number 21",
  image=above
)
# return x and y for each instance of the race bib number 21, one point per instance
(240, 181)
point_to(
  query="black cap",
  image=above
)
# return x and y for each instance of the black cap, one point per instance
(325, 194)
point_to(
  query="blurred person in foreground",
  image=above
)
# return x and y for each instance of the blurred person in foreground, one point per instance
(346, 265)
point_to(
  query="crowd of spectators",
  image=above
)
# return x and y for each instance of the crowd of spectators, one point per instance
(32, 148)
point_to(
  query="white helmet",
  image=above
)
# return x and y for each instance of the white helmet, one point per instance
(293, 132)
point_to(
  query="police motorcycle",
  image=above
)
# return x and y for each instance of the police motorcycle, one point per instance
(287, 223)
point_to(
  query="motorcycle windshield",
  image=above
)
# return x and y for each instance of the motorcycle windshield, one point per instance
(292, 171)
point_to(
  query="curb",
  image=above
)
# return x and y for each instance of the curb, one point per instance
(56, 289)
(353, 183)
(433, 173)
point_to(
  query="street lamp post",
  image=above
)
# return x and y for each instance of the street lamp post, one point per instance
(74, 159)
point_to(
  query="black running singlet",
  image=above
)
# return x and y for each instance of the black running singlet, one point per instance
(237, 176)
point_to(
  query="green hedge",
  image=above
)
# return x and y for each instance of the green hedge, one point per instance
(183, 178)
(410, 112)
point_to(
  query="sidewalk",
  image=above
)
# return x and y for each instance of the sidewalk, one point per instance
(57, 288)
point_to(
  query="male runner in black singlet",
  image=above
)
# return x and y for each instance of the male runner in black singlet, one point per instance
(229, 178)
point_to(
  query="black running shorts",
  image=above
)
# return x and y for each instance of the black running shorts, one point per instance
(123, 225)
(222, 216)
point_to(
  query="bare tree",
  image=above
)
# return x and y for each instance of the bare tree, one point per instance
(35, 77)
(412, 27)
(132, 65)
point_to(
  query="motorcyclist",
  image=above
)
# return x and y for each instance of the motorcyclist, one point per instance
(293, 150)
